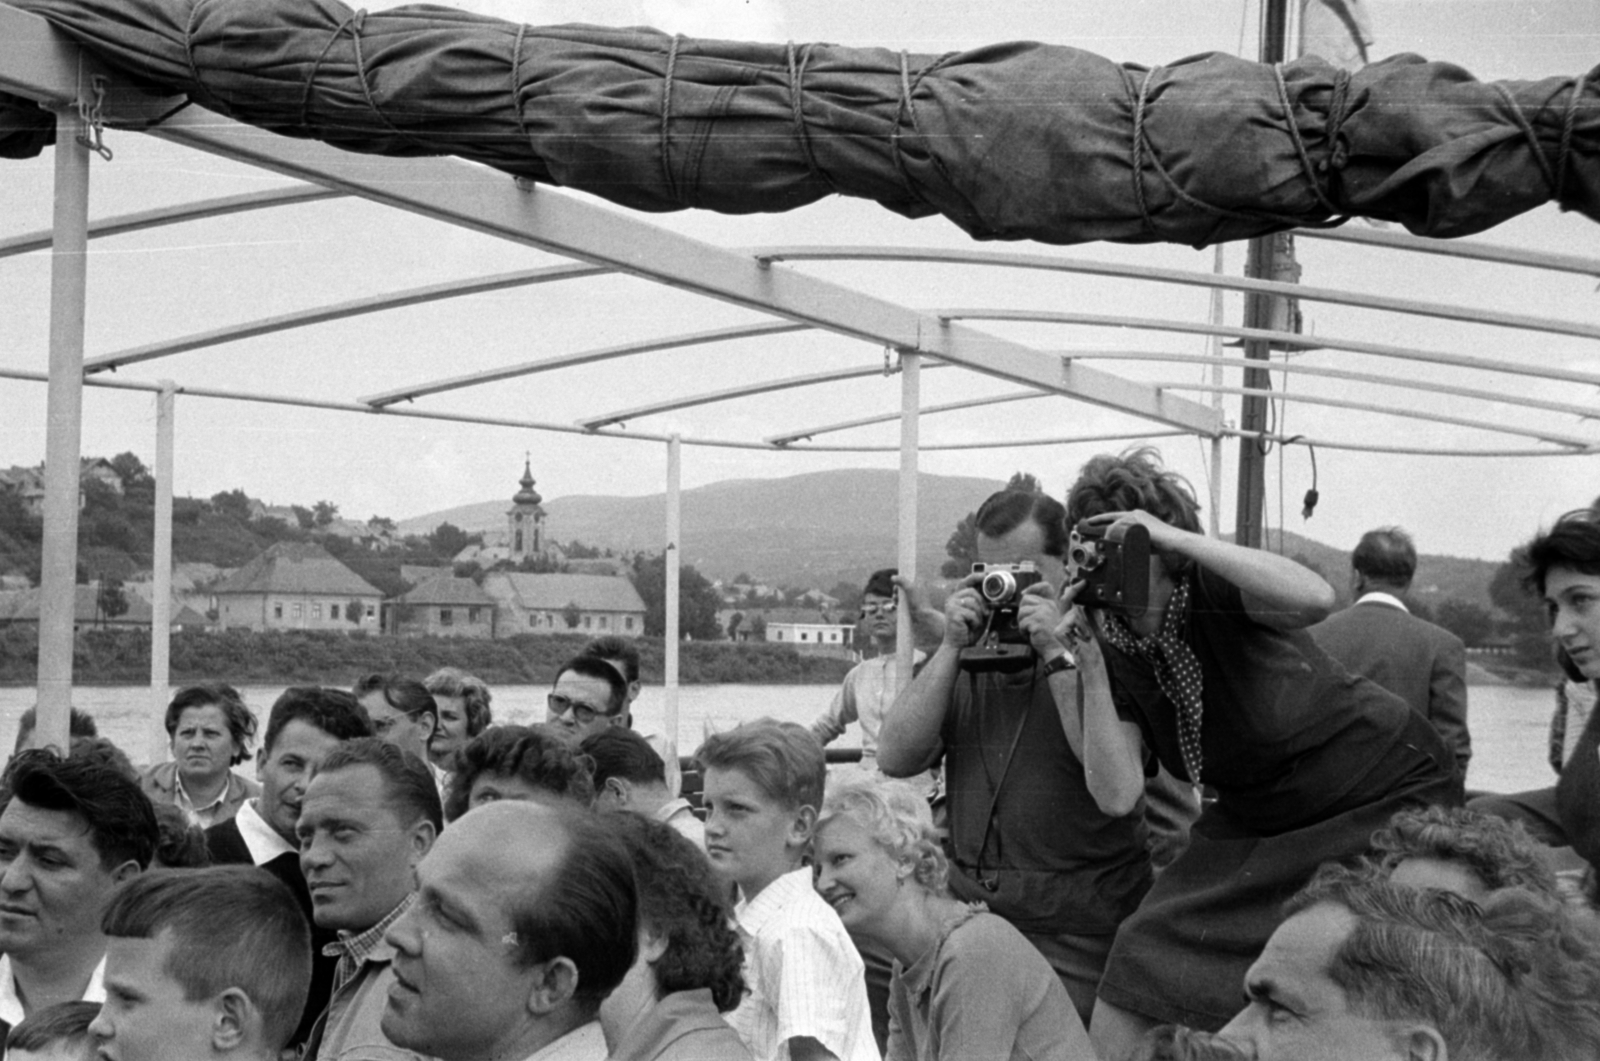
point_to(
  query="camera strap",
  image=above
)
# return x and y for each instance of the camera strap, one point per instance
(992, 884)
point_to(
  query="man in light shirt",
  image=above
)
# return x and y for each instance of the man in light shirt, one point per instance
(71, 830)
(525, 920)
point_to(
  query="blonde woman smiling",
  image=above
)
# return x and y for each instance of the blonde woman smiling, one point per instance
(966, 984)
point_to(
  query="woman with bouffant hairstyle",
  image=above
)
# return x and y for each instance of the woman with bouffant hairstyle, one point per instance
(966, 984)
(1218, 681)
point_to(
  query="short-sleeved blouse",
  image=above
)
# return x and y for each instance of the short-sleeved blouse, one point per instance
(1287, 735)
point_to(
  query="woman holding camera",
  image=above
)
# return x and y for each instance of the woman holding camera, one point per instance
(1217, 681)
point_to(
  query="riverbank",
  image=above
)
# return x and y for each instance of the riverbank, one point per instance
(119, 657)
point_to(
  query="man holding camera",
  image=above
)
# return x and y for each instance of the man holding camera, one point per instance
(1025, 834)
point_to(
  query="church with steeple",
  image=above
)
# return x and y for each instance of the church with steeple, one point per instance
(525, 520)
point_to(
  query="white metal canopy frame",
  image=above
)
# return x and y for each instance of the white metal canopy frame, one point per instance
(38, 63)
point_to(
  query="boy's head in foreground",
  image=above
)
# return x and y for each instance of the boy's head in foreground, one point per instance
(763, 786)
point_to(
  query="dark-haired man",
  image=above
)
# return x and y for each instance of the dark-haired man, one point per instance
(369, 816)
(623, 654)
(71, 830)
(1027, 836)
(1378, 638)
(526, 921)
(629, 775)
(1364, 968)
(202, 965)
(306, 724)
(589, 696)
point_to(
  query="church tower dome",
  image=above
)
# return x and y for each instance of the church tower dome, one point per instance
(525, 518)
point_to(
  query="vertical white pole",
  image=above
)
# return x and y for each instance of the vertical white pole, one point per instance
(910, 405)
(161, 563)
(1218, 266)
(63, 437)
(673, 556)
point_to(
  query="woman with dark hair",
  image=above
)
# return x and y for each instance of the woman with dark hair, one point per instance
(1218, 681)
(689, 969)
(518, 762)
(210, 731)
(966, 984)
(1562, 566)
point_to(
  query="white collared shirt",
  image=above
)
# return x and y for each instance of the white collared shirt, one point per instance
(1379, 597)
(261, 839)
(11, 1005)
(804, 974)
(584, 1043)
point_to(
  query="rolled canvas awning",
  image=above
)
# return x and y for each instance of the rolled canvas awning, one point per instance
(1011, 141)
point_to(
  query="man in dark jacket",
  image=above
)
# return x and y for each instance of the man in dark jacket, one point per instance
(1378, 638)
(306, 723)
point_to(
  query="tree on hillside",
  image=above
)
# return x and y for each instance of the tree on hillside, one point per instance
(448, 539)
(110, 599)
(734, 622)
(324, 513)
(758, 628)
(1026, 482)
(382, 525)
(136, 478)
(354, 610)
(571, 615)
(698, 602)
(304, 516)
(577, 550)
(1524, 623)
(962, 547)
(1470, 622)
(235, 503)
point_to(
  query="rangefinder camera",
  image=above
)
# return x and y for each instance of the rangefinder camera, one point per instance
(1001, 645)
(1114, 566)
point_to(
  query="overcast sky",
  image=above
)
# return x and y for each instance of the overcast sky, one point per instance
(189, 278)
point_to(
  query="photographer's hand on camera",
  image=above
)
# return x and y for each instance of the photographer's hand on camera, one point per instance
(1040, 617)
(965, 614)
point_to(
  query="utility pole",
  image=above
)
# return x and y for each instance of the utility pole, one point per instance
(1268, 258)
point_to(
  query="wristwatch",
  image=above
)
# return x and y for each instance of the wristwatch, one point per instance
(1059, 664)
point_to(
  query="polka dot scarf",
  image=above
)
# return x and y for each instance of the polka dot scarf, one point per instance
(1176, 668)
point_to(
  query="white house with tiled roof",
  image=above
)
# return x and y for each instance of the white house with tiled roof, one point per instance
(543, 604)
(297, 586)
(445, 606)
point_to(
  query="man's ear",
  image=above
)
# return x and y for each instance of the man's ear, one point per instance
(235, 1022)
(803, 825)
(554, 984)
(1422, 1042)
(622, 789)
(261, 761)
(423, 834)
(127, 871)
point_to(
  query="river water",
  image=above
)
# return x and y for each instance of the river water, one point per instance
(1508, 724)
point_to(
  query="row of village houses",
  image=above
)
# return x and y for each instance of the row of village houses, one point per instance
(301, 586)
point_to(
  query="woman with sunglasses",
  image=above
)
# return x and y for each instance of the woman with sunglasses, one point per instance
(966, 984)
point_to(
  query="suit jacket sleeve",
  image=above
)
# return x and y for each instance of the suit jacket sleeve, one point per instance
(1447, 700)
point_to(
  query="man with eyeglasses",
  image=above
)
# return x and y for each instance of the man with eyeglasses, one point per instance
(870, 687)
(589, 697)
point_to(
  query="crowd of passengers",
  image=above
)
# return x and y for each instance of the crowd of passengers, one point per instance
(1188, 831)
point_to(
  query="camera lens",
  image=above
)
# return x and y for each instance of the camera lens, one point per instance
(998, 586)
(1084, 557)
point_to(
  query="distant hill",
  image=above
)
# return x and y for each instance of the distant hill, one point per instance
(804, 530)
(820, 528)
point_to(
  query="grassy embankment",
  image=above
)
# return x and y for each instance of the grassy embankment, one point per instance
(115, 657)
